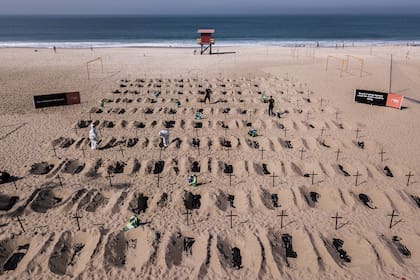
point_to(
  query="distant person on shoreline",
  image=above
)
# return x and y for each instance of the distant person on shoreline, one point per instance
(270, 106)
(55, 49)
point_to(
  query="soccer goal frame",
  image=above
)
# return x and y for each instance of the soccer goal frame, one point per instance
(343, 62)
(360, 60)
(98, 59)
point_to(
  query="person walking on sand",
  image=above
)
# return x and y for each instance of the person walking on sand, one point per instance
(270, 106)
(55, 49)
(207, 96)
(164, 134)
(93, 137)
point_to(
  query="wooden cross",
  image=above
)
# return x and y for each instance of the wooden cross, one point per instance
(297, 103)
(336, 115)
(100, 132)
(231, 218)
(230, 178)
(225, 128)
(357, 133)
(285, 130)
(338, 154)
(59, 180)
(357, 175)
(14, 184)
(282, 215)
(307, 115)
(273, 176)
(409, 175)
(158, 179)
(187, 216)
(20, 223)
(262, 153)
(301, 153)
(198, 150)
(382, 154)
(322, 100)
(336, 220)
(392, 218)
(75, 129)
(109, 178)
(160, 152)
(227, 149)
(77, 217)
(83, 151)
(122, 150)
(55, 152)
(313, 176)
(322, 131)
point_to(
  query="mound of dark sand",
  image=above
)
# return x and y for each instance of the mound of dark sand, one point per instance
(139, 203)
(45, 200)
(192, 201)
(116, 168)
(63, 142)
(7, 202)
(5, 177)
(41, 168)
(73, 167)
(116, 250)
(11, 254)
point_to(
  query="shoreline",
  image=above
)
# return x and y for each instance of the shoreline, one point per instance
(319, 130)
(256, 44)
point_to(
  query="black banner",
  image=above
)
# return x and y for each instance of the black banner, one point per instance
(56, 99)
(370, 97)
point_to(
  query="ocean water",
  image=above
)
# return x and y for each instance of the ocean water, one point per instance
(180, 31)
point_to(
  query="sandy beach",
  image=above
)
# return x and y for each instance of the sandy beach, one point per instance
(320, 157)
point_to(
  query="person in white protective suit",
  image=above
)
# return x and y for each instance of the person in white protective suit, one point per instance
(165, 137)
(93, 137)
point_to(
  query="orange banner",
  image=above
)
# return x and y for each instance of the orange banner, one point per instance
(394, 100)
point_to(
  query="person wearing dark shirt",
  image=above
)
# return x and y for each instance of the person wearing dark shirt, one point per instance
(207, 96)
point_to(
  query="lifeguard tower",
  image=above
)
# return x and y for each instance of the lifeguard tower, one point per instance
(205, 40)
